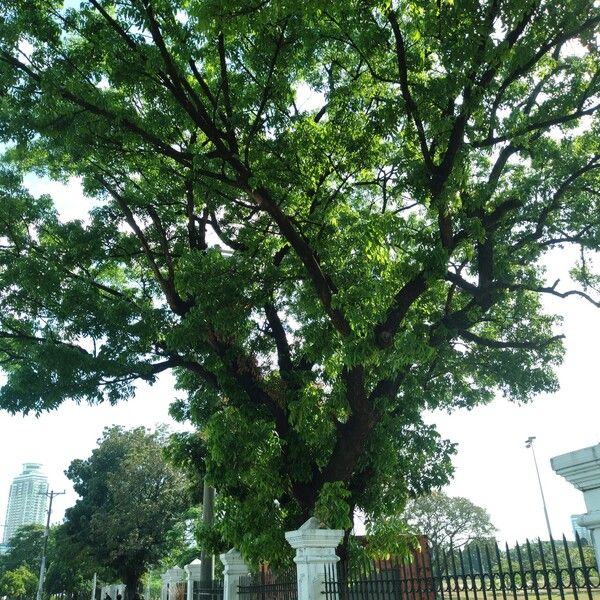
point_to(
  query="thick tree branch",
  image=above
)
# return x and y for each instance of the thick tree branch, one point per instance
(323, 285)
(226, 94)
(24, 337)
(167, 284)
(542, 125)
(515, 344)
(163, 148)
(405, 298)
(284, 356)
(411, 105)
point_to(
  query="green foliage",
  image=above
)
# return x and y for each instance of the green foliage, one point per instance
(325, 219)
(332, 507)
(390, 536)
(130, 506)
(69, 568)
(70, 565)
(18, 583)
(24, 548)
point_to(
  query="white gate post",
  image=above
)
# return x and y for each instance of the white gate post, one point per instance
(193, 575)
(176, 575)
(164, 586)
(235, 567)
(315, 551)
(582, 469)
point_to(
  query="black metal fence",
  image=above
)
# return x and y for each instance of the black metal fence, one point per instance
(531, 571)
(207, 590)
(267, 585)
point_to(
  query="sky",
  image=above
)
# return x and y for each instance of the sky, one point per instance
(493, 467)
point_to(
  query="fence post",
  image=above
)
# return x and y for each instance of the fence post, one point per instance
(234, 568)
(315, 550)
(176, 576)
(591, 520)
(164, 586)
(581, 468)
(193, 575)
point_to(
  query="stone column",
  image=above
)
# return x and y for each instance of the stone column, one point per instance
(164, 586)
(193, 575)
(235, 567)
(175, 575)
(315, 550)
(582, 469)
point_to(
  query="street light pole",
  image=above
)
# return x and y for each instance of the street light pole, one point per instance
(40, 589)
(529, 444)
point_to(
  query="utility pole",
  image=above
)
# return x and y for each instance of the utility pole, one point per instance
(40, 589)
(529, 444)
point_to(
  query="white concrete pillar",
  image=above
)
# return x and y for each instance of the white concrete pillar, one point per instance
(176, 576)
(315, 550)
(234, 568)
(164, 586)
(193, 574)
(582, 469)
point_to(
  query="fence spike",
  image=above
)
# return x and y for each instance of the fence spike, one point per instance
(570, 569)
(532, 570)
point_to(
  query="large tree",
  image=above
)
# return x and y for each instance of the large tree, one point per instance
(130, 501)
(324, 217)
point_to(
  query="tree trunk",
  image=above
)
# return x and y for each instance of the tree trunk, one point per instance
(132, 582)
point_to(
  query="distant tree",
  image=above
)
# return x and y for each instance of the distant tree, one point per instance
(70, 566)
(24, 548)
(18, 583)
(449, 522)
(130, 501)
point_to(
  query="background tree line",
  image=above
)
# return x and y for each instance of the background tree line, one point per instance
(134, 513)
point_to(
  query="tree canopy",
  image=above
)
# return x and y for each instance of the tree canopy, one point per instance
(130, 502)
(449, 522)
(325, 218)
(24, 548)
(18, 583)
(69, 569)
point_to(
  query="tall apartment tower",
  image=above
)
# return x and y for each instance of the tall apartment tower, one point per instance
(27, 500)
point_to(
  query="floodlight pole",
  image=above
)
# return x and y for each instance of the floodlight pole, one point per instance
(40, 589)
(529, 444)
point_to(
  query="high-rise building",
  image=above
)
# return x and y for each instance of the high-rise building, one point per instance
(27, 500)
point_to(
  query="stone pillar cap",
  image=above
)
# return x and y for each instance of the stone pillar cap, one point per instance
(591, 520)
(580, 467)
(312, 534)
(195, 565)
(175, 573)
(234, 559)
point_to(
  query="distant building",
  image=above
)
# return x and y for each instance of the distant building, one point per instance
(584, 532)
(27, 500)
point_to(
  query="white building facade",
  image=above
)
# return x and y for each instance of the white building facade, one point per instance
(27, 500)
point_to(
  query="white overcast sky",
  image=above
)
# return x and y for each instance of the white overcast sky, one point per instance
(493, 467)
